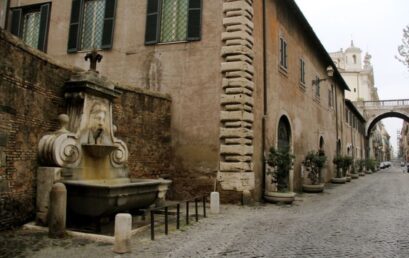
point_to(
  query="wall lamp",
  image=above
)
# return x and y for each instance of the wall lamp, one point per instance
(330, 74)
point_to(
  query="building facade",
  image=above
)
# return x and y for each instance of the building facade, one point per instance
(243, 75)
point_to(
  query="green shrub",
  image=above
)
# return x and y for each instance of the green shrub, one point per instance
(282, 160)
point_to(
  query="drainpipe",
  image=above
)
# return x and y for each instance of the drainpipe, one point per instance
(263, 121)
(6, 15)
(336, 119)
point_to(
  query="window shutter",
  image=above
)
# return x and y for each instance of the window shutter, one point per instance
(109, 21)
(44, 18)
(194, 21)
(74, 31)
(152, 22)
(16, 21)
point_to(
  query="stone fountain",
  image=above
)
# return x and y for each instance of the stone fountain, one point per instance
(85, 155)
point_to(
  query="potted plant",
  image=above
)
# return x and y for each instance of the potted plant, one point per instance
(348, 162)
(354, 169)
(370, 166)
(361, 167)
(280, 165)
(340, 177)
(313, 163)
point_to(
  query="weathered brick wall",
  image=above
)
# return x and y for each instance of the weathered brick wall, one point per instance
(143, 121)
(31, 98)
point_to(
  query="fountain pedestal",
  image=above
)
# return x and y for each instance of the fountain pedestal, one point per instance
(85, 155)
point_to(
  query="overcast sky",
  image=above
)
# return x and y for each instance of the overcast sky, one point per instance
(376, 27)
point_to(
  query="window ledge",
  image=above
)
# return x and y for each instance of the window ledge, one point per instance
(303, 86)
(283, 70)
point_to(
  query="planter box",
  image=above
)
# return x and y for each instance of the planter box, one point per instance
(313, 188)
(368, 172)
(339, 180)
(354, 176)
(349, 178)
(285, 197)
(361, 174)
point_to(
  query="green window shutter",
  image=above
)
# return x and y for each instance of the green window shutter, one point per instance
(152, 22)
(44, 18)
(194, 25)
(109, 21)
(74, 31)
(16, 21)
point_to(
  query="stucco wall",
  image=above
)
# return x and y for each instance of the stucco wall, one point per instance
(310, 117)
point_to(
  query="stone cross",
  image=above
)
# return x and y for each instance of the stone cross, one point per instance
(94, 58)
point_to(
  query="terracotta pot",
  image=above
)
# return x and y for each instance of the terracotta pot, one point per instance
(339, 180)
(285, 197)
(313, 188)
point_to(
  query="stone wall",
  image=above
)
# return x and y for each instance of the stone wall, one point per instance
(31, 98)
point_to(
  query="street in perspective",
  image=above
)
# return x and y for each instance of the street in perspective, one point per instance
(192, 128)
(366, 218)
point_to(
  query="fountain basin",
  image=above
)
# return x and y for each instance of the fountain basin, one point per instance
(98, 150)
(96, 198)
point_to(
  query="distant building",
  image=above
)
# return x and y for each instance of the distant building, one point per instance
(359, 75)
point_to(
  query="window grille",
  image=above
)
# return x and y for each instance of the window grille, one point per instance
(302, 71)
(283, 53)
(93, 24)
(174, 20)
(31, 28)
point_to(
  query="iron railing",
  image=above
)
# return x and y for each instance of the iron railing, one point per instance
(164, 210)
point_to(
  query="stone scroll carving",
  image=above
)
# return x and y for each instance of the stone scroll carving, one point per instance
(119, 157)
(61, 148)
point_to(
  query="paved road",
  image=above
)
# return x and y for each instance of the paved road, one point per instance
(365, 218)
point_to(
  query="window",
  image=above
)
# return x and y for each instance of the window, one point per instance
(346, 115)
(317, 87)
(302, 71)
(30, 23)
(91, 25)
(331, 96)
(283, 53)
(354, 58)
(3, 14)
(173, 21)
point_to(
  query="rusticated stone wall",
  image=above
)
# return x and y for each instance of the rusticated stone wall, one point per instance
(31, 98)
(236, 132)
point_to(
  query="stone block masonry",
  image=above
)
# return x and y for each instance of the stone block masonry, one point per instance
(236, 133)
(30, 101)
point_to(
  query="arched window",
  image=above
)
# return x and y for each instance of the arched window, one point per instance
(284, 134)
(354, 57)
(321, 143)
(339, 147)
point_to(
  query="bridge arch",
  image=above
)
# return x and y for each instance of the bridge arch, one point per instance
(381, 115)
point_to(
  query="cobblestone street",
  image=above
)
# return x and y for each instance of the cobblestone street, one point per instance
(365, 218)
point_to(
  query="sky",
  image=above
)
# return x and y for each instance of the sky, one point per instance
(376, 27)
